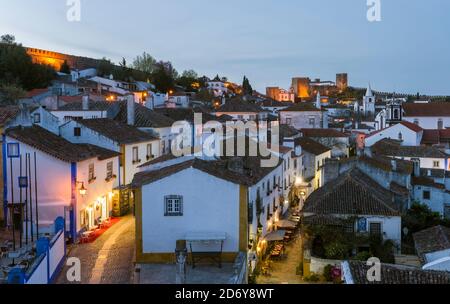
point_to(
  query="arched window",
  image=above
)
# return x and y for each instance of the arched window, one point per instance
(400, 136)
(440, 124)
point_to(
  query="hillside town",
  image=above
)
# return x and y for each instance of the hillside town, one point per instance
(146, 176)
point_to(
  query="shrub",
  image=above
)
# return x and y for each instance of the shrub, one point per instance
(362, 256)
(327, 273)
(313, 278)
(336, 250)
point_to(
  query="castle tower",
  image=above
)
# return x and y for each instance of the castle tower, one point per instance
(369, 102)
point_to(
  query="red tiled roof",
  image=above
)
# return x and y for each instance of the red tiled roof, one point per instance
(436, 109)
(435, 137)
(36, 92)
(412, 126)
(7, 113)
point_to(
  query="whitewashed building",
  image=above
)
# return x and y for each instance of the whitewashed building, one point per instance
(304, 115)
(135, 146)
(166, 213)
(434, 115)
(74, 181)
(407, 133)
(356, 196)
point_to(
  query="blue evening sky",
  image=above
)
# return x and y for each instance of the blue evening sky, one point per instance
(269, 41)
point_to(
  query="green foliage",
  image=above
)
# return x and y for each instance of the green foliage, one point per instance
(8, 39)
(105, 67)
(246, 87)
(313, 278)
(145, 63)
(187, 79)
(164, 76)
(336, 250)
(362, 256)
(327, 273)
(17, 68)
(10, 93)
(65, 68)
(420, 217)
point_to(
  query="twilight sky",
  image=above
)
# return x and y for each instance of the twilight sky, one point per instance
(269, 41)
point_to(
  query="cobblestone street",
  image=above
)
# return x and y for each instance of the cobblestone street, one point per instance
(108, 260)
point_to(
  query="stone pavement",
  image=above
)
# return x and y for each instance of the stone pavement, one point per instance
(201, 274)
(109, 259)
(284, 271)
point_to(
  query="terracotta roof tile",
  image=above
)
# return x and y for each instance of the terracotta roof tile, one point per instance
(435, 109)
(395, 274)
(431, 240)
(353, 193)
(56, 146)
(119, 132)
(311, 146)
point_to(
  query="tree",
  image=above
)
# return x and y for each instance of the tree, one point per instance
(17, 68)
(246, 87)
(8, 39)
(65, 68)
(164, 76)
(189, 80)
(145, 63)
(10, 94)
(105, 67)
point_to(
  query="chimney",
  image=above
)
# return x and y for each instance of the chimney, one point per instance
(416, 168)
(130, 110)
(85, 102)
(394, 164)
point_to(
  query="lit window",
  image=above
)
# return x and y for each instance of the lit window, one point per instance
(173, 205)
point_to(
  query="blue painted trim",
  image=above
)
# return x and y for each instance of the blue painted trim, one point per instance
(5, 179)
(48, 264)
(58, 269)
(73, 211)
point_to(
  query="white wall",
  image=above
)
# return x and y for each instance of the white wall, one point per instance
(410, 138)
(100, 188)
(65, 116)
(429, 122)
(203, 210)
(300, 120)
(54, 183)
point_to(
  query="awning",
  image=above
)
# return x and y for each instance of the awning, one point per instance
(286, 224)
(275, 236)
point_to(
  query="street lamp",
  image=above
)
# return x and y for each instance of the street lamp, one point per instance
(82, 190)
